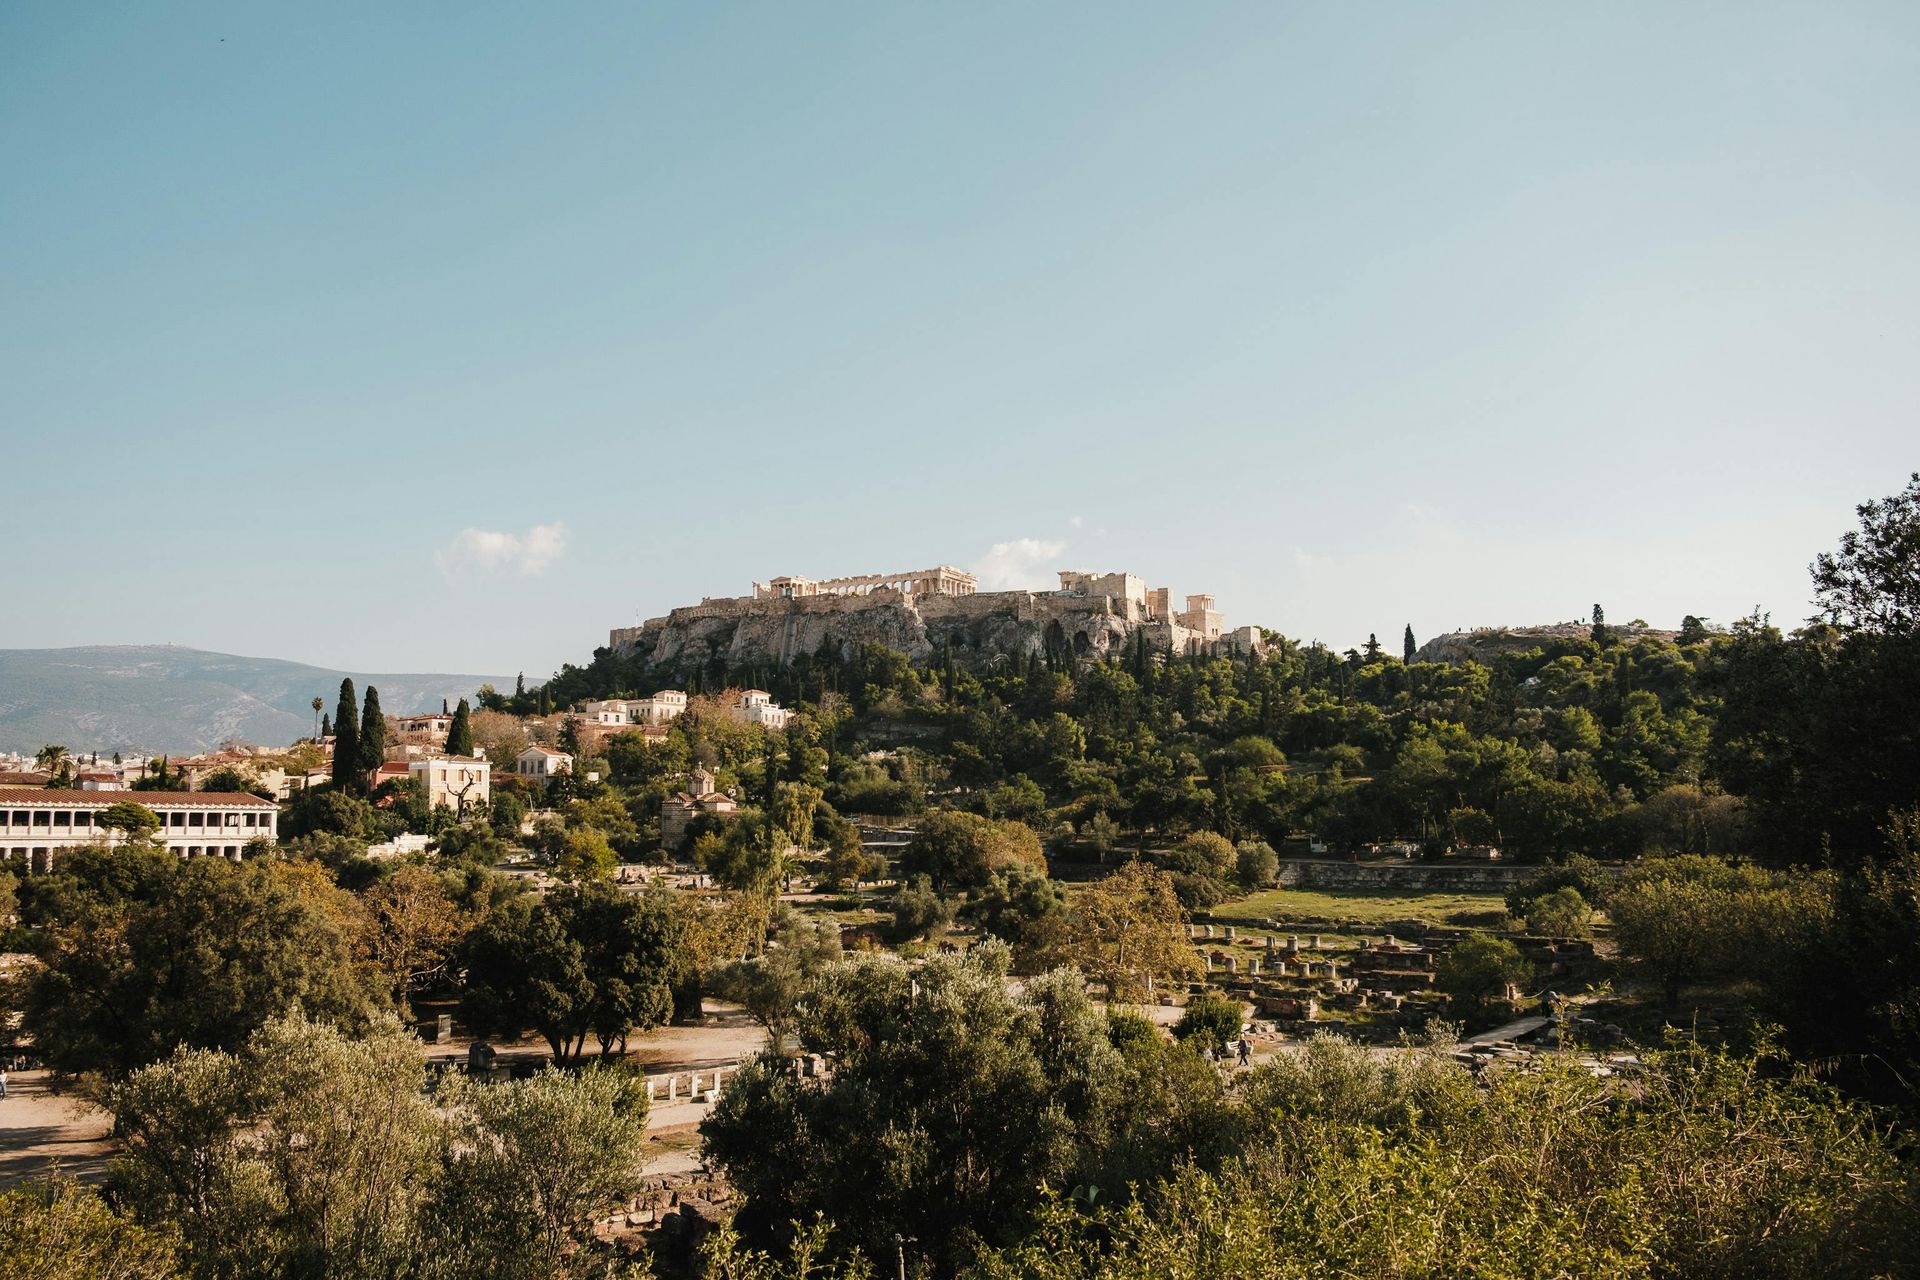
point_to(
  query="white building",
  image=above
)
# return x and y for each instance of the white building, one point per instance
(459, 783)
(756, 706)
(39, 823)
(616, 712)
(542, 762)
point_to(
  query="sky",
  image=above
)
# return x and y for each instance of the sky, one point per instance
(446, 337)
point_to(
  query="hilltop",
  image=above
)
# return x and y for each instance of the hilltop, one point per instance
(1484, 644)
(164, 698)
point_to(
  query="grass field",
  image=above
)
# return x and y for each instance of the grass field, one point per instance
(1367, 906)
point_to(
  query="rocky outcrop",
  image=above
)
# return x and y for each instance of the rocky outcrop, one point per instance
(977, 629)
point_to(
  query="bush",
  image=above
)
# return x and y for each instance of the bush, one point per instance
(1211, 1020)
(1560, 914)
(1478, 971)
(919, 911)
(1256, 865)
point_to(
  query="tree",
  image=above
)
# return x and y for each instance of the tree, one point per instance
(310, 1151)
(318, 704)
(769, 986)
(60, 1230)
(1478, 971)
(1372, 650)
(326, 726)
(963, 850)
(55, 761)
(348, 769)
(1560, 914)
(1256, 865)
(533, 1165)
(1599, 635)
(1690, 918)
(460, 732)
(950, 1100)
(136, 820)
(1203, 866)
(1407, 648)
(1872, 583)
(919, 911)
(586, 961)
(1130, 932)
(213, 953)
(409, 926)
(372, 746)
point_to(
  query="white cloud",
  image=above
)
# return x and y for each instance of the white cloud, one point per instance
(1024, 563)
(490, 551)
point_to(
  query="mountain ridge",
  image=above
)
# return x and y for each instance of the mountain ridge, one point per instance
(171, 698)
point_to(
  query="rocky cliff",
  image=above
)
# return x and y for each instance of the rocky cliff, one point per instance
(977, 629)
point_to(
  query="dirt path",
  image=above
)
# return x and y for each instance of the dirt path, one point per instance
(40, 1130)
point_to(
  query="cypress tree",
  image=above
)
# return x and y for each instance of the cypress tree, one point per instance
(520, 685)
(1600, 633)
(460, 734)
(373, 733)
(445, 710)
(1406, 645)
(326, 726)
(346, 740)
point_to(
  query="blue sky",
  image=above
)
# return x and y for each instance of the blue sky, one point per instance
(1352, 315)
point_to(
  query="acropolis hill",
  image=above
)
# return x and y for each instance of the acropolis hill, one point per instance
(923, 612)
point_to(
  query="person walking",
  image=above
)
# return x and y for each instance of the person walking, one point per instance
(1246, 1053)
(3, 1081)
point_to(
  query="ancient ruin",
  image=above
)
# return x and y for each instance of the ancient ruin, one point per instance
(927, 611)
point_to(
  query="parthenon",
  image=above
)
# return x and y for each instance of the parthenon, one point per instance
(942, 581)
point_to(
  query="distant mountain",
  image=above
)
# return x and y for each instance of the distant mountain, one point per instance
(161, 698)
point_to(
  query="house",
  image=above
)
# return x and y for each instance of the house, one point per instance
(542, 762)
(424, 731)
(614, 712)
(756, 706)
(39, 823)
(458, 783)
(101, 780)
(677, 811)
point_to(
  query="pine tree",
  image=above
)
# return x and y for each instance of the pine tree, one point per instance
(373, 733)
(1407, 649)
(346, 740)
(1599, 626)
(1373, 647)
(460, 734)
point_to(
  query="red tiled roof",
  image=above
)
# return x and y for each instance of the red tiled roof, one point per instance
(53, 798)
(26, 779)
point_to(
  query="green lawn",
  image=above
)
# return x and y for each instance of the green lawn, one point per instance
(1366, 906)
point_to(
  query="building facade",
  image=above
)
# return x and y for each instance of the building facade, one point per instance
(38, 824)
(541, 762)
(458, 783)
(756, 706)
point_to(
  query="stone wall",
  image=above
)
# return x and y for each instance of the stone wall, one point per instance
(1416, 877)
